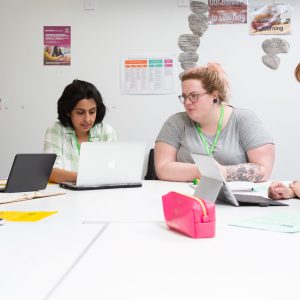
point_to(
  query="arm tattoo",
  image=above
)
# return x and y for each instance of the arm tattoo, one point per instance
(245, 172)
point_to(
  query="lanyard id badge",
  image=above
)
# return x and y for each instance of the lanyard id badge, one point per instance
(210, 150)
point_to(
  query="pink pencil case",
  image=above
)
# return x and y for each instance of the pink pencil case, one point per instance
(190, 215)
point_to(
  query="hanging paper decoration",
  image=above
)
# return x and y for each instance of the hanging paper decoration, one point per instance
(189, 43)
(272, 47)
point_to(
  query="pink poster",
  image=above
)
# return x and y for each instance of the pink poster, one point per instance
(57, 45)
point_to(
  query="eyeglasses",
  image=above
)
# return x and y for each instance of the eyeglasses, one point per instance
(193, 97)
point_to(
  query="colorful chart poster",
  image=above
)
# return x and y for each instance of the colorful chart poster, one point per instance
(227, 11)
(147, 74)
(57, 45)
(270, 19)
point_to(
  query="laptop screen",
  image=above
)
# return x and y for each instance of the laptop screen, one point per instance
(29, 172)
(110, 163)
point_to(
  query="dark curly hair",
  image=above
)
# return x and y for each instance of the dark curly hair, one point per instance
(72, 94)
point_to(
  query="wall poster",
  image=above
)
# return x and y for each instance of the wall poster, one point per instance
(227, 11)
(147, 74)
(270, 19)
(57, 45)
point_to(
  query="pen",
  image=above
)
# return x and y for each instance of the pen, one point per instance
(258, 188)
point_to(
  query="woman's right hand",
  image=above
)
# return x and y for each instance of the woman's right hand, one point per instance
(277, 191)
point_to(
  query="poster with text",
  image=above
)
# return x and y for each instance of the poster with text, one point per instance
(270, 19)
(227, 11)
(57, 45)
(147, 74)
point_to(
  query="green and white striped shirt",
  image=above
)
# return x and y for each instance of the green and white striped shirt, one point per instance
(61, 140)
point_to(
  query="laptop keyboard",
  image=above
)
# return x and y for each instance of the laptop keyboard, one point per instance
(69, 185)
(257, 200)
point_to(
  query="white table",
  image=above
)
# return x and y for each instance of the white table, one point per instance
(147, 261)
(119, 205)
(36, 256)
(113, 244)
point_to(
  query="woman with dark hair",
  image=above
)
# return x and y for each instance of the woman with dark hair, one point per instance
(80, 113)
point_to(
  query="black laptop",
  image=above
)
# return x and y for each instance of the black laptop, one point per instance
(226, 195)
(29, 172)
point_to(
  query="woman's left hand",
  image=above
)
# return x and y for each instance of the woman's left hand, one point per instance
(278, 191)
(295, 186)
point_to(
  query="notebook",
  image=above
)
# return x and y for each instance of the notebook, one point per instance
(213, 187)
(29, 172)
(104, 165)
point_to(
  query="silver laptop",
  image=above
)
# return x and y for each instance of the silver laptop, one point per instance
(213, 187)
(104, 165)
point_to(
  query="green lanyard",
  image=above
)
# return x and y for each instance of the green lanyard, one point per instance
(211, 150)
(77, 143)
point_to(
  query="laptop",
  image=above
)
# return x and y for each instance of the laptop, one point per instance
(105, 165)
(213, 187)
(29, 172)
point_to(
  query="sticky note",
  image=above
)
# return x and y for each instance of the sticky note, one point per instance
(25, 216)
(282, 222)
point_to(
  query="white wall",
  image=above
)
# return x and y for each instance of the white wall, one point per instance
(30, 90)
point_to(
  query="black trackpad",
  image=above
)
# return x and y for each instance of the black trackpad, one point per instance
(257, 200)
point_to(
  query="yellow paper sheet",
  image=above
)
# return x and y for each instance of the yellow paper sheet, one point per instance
(25, 216)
